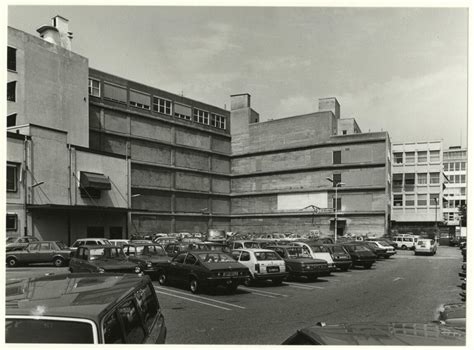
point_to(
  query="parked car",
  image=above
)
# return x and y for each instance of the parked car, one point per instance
(201, 270)
(405, 242)
(453, 315)
(389, 249)
(426, 246)
(102, 259)
(383, 240)
(174, 248)
(83, 308)
(395, 333)
(119, 242)
(377, 249)
(55, 252)
(300, 264)
(360, 254)
(150, 257)
(244, 244)
(342, 259)
(263, 264)
(318, 251)
(18, 243)
(222, 247)
(89, 241)
(165, 240)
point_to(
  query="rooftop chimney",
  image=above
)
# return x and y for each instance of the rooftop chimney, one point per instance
(57, 33)
(330, 104)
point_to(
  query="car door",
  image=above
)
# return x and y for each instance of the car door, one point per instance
(175, 269)
(31, 254)
(45, 253)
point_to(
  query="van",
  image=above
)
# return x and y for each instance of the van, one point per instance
(94, 308)
(405, 241)
(426, 246)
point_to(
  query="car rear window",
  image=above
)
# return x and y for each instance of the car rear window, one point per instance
(215, 257)
(260, 256)
(47, 331)
(360, 248)
(251, 245)
(319, 248)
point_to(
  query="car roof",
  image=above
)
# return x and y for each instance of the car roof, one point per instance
(92, 239)
(254, 250)
(82, 295)
(94, 246)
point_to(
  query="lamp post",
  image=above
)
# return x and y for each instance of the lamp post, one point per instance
(335, 185)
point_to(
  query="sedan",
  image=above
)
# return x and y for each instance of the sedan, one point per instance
(55, 252)
(102, 259)
(341, 257)
(360, 255)
(18, 243)
(204, 270)
(150, 257)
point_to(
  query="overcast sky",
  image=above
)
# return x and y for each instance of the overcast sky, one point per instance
(400, 70)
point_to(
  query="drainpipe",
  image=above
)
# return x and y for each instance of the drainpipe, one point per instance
(70, 198)
(25, 184)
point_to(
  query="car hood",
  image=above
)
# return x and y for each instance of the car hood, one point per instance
(224, 265)
(111, 264)
(379, 334)
(152, 258)
(305, 261)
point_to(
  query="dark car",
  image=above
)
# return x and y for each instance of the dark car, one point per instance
(386, 240)
(174, 248)
(83, 308)
(379, 251)
(19, 243)
(55, 252)
(401, 334)
(205, 269)
(150, 257)
(341, 257)
(299, 263)
(360, 254)
(102, 259)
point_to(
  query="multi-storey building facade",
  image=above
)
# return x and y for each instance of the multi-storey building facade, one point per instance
(285, 172)
(455, 169)
(417, 186)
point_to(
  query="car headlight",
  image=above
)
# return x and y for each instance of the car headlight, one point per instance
(100, 270)
(149, 264)
(137, 269)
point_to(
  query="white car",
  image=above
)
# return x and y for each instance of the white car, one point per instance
(89, 241)
(243, 244)
(389, 249)
(119, 242)
(318, 251)
(263, 264)
(426, 246)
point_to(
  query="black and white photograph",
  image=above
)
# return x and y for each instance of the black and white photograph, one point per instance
(267, 173)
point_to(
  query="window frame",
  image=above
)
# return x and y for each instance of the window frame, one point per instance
(437, 177)
(157, 106)
(397, 200)
(136, 104)
(13, 216)
(91, 87)
(11, 51)
(11, 92)
(337, 157)
(11, 165)
(201, 116)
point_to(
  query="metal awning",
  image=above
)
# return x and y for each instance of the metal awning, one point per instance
(95, 180)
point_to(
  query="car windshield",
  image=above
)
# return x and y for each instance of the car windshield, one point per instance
(338, 249)
(360, 248)
(61, 245)
(317, 248)
(251, 245)
(150, 250)
(47, 331)
(109, 253)
(266, 256)
(215, 257)
(297, 252)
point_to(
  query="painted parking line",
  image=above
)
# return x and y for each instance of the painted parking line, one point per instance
(200, 297)
(263, 292)
(303, 286)
(193, 300)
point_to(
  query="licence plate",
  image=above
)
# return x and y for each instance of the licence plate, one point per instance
(231, 273)
(273, 269)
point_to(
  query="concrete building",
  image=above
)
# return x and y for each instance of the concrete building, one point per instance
(281, 167)
(455, 169)
(417, 186)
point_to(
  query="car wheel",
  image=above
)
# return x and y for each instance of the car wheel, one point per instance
(367, 266)
(248, 282)
(12, 262)
(231, 288)
(58, 262)
(194, 286)
(345, 268)
(161, 278)
(404, 247)
(277, 281)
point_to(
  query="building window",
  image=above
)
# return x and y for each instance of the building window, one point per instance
(162, 106)
(463, 191)
(12, 177)
(339, 203)
(462, 179)
(115, 93)
(422, 178)
(434, 178)
(91, 193)
(344, 132)
(409, 200)
(422, 200)
(434, 156)
(410, 157)
(139, 100)
(398, 157)
(397, 200)
(217, 121)
(11, 120)
(11, 91)
(182, 111)
(336, 178)
(434, 199)
(446, 166)
(11, 58)
(397, 182)
(457, 166)
(422, 156)
(201, 117)
(410, 182)
(12, 222)
(94, 87)
(336, 157)
(463, 165)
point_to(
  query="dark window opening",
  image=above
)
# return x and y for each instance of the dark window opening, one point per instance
(11, 120)
(336, 179)
(12, 222)
(11, 58)
(11, 91)
(12, 178)
(90, 192)
(339, 203)
(336, 157)
(95, 232)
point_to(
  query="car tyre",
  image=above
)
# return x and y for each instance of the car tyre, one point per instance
(231, 288)
(404, 247)
(12, 262)
(162, 278)
(248, 282)
(277, 281)
(194, 286)
(58, 262)
(367, 266)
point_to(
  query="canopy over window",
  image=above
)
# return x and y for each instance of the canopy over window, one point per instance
(94, 180)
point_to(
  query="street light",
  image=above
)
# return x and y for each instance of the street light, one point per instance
(335, 185)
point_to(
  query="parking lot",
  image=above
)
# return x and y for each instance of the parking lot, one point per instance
(405, 288)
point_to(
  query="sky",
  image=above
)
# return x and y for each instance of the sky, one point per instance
(401, 70)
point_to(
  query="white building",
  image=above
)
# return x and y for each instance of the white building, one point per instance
(455, 161)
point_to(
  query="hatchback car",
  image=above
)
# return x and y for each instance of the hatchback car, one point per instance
(300, 264)
(150, 257)
(244, 244)
(360, 254)
(263, 264)
(342, 259)
(83, 308)
(102, 259)
(318, 251)
(389, 250)
(18, 243)
(426, 246)
(55, 252)
(201, 270)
